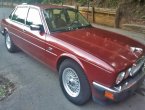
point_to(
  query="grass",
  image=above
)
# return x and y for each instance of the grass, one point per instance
(6, 87)
(2, 92)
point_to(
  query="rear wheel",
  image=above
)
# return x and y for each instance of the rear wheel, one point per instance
(74, 83)
(11, 47)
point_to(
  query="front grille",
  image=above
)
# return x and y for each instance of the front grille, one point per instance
(137, 66)
(142, 59)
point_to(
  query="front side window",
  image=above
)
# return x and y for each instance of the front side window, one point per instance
(33, 17)
(60, 19)
(20, 14)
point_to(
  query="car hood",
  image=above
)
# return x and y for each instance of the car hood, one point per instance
(114, 49)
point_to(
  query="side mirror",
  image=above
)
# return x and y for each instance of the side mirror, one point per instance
(35, 27)
(39, 28)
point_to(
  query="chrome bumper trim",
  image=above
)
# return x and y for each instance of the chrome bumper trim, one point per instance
(104, 87)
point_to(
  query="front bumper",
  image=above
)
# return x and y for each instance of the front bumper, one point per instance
(121, 91)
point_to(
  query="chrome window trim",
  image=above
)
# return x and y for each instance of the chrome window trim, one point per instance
(44, 21)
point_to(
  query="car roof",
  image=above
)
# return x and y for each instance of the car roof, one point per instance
(44, 6)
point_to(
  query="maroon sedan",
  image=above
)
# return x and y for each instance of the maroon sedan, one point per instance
(90, 61)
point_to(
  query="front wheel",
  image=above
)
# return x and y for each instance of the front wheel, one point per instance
(74, 83)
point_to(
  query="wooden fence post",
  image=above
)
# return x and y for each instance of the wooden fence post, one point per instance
(93, 13)
(77, 6)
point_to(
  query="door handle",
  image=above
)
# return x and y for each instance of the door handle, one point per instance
(24, 30)
(50, 48)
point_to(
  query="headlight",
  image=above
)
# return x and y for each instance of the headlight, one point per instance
(127, 73)
(120, 77)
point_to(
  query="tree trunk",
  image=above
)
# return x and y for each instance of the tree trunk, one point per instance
(123, 11)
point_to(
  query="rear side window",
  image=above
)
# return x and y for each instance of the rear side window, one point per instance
(33, 17)
(20, 14)
(10, 16)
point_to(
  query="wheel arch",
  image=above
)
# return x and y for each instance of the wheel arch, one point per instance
(68, 56)
(5, 30)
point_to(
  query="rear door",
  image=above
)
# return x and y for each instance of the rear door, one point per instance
(16, 23)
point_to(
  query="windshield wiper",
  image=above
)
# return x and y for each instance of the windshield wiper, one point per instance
(60, 30)
(71, 28)
(85, 26)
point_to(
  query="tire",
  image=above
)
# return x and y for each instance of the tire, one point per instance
(74, 83)
(11, 47)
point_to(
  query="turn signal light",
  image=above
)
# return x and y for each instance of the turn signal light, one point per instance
(109, 95)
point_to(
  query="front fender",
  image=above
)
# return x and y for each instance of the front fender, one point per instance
(73, 57)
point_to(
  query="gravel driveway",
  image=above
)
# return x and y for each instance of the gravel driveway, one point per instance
(37, 87)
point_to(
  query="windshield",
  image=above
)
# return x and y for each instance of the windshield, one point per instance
(59, 20)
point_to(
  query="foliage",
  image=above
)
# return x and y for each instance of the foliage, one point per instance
(6, 87)
(131, 11)
(53, 1)
(33, 1)
(82, 1)
(113, 3)
(2, 91)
